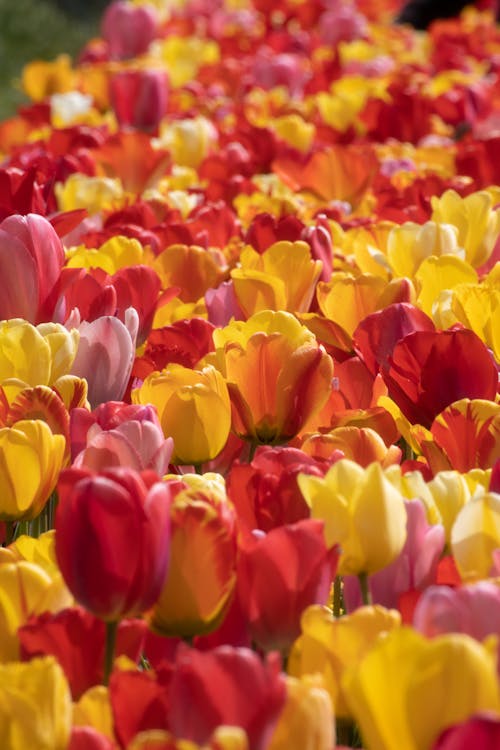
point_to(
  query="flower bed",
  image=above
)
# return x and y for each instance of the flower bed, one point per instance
(249, 355)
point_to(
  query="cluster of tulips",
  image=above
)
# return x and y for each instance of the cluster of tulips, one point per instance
(249, 357)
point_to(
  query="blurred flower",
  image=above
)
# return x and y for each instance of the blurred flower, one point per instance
(307, 721)
(139, 97)
(35, 706)
(407, 689)
(128, 29)
(475, 537)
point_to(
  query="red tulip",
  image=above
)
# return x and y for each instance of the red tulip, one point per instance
(429, 370)
(139, 97)
(279, 575)
(76, 639)
(31, 258)
(230, 686)
(112, 539)
(265, 492)
(139, 702)
(480, 732)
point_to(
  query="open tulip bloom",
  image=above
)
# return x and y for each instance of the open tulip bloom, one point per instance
(249, 381)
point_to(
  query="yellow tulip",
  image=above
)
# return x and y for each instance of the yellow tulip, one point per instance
(41, 79)
(117, 252)
(63, 346)
(194, 409)
(96, 194)
(347, 299)
(283, 277)
(293, 129)
(94, 710)
(328, 646)
(450, 492)
(409, 244)
(31, 458)
(407, 689)
(35, 706)
(278, 376)
(188, 141)
(475, 536)
(202, 569)
(26, 590)
(362, 511)
(437, 276)
(307, 721)
(478, 223)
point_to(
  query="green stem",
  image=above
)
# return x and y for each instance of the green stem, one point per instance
(10, 532)
(109, 651)
(251, 453)
(198, 469)
(365, 589)
(337, 596)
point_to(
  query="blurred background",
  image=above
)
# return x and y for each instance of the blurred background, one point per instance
(40, 29)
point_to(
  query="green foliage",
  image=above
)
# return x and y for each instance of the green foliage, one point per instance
(36, 29)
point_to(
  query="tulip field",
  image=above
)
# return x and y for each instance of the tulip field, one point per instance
(249, 382)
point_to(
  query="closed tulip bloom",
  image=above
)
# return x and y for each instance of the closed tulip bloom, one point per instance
(362, 511)
(280, 574)
(105, 356)
(475, 536)
(202, 570)
(193, 407)
(407, 689)
(298, 374)
(35, 706)
(328, 645)
(31, 459)
(112, 539)
(139, 97)
(307, 721)
(129, 29)
(31, 259)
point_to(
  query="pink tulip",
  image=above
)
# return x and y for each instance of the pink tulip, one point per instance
(222, 305)
(134, 444)
(129, 29)
(413, 570)
(474, 610)
(31, 258)
(139, 97)
(105, 355)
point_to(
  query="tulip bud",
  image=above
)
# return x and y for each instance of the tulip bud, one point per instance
(126, 514)
(139, 98)
(129, 29)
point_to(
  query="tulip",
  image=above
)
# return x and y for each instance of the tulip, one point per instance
(406, 689)
(414, 569)
(115, 508)
(307, 721)
(475, 537)
(257, 689)
(129, 29)
(105, 356)
(362, 511)
(31, 259)
(279, 575)
(139, 97)
(35, 706)
(476, 219)
(328, 645)
(283, 277)
(461, 359)
(193, 407)
(481, 732)
(265, 492)
(473, 610)
(32, 458)
(87, 738)
(202, 571)
(138, 702)
(297, 382)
